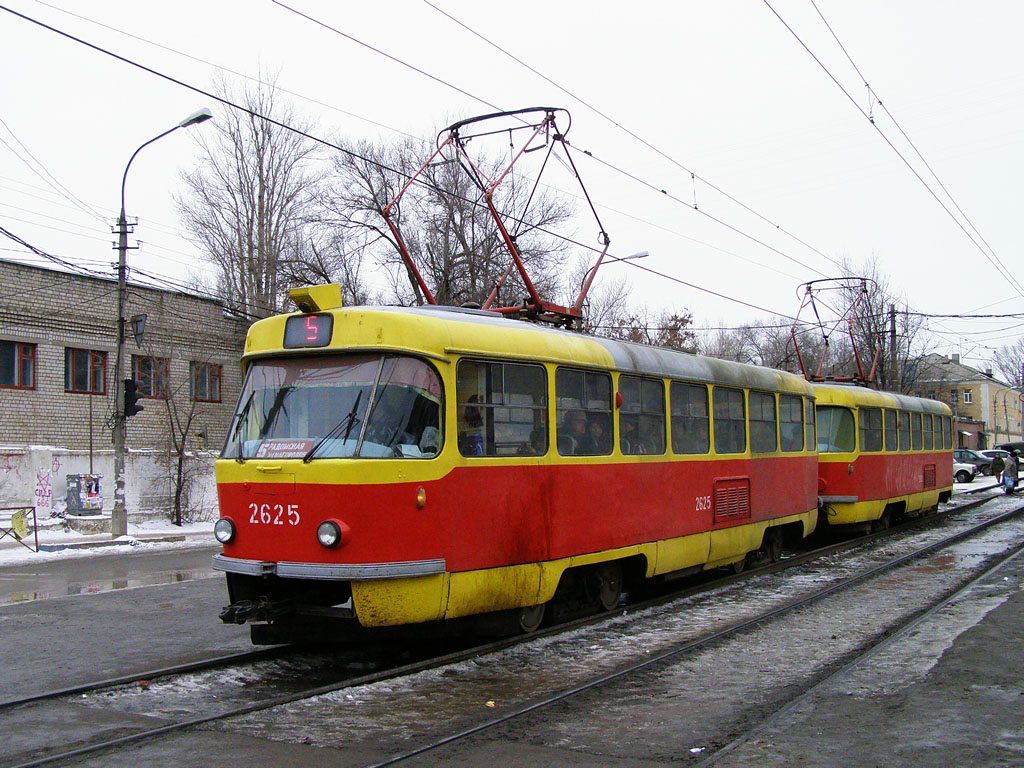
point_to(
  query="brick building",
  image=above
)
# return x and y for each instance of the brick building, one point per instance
(58, 351)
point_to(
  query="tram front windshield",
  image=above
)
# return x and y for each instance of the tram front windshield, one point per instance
(337, 406)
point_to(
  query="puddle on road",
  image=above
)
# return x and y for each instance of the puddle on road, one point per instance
(15, 589)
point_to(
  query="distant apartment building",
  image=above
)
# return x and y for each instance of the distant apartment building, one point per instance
(987, 410)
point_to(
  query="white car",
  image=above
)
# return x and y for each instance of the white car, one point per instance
(964, 473)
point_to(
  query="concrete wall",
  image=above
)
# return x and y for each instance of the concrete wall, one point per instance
(37, 476)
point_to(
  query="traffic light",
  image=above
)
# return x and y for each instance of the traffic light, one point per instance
(131, 398)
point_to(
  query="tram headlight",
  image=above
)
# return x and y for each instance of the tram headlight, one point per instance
(328, 533)
(224, 530)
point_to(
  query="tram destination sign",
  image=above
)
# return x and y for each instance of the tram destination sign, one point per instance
(308, 331)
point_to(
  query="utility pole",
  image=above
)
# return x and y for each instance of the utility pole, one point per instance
(894, 378)
(119, 515)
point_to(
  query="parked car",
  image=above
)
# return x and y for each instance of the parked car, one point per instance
(993, 452)
(967, 456)
(964, 473)
(1011, 447)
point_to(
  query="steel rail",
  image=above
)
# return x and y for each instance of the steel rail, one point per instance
(904, 628)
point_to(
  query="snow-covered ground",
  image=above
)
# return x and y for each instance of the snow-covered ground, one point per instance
(56, 543)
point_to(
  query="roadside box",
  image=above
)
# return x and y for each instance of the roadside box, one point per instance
(84, 496)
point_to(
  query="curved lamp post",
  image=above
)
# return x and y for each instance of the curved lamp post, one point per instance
(119, 516)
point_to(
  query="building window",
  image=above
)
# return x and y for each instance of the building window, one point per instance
(954, 396)
(205, 382)
(85, 370)
(967, 397)
(17, 365)
(151, 374)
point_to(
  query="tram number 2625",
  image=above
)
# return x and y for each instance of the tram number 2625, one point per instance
(274, 514)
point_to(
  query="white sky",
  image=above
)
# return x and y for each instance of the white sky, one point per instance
(723, 89)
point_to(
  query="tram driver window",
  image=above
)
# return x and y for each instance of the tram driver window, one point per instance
(583, 412)
(836, 430)
(502, 408)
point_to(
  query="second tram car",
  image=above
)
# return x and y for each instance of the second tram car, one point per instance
(881, 456)
(391, 466)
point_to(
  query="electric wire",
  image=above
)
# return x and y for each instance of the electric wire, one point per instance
(992, 258)
(693, 175)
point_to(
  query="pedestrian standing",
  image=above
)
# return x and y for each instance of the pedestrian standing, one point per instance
(1010, 472)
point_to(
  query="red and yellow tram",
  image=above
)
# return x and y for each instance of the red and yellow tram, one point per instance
(390, 466)
(882, 456)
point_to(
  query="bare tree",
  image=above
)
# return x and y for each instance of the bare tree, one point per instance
(667, 329)
(444, 224)
(247, 201)
(1009, 361)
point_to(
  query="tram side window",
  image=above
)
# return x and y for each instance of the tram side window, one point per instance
(691, 428)
(642, 416)
(791, 423)
(870, 429)
(904, 430)
(763, 428)
(810, 421)
(730, 420)
(915, 430)
(836, 430)
(583, 412)
(892, 442)
(502, 408)
(947, 432)
(926, 431)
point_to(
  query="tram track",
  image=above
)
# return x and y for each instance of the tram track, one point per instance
(161, 727)
(894, 635)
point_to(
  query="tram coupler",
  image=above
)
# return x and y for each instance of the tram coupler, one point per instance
(256, 610)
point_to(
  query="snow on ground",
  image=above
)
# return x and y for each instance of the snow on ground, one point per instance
(57, 543)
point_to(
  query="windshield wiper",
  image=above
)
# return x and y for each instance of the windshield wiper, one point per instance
(345, 423)
(240, 420)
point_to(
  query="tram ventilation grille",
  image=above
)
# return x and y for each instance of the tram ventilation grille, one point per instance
(732, 498)
(929, 475)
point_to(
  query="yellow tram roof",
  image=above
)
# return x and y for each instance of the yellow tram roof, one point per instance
(853, 396)
(442, 333)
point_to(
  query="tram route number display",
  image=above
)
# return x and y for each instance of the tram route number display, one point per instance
(274, 514)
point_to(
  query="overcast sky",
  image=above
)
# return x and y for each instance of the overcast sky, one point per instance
(789, 175)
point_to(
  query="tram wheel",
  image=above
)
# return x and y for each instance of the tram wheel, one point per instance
(528, 619)
(604, 585)
(881, 523)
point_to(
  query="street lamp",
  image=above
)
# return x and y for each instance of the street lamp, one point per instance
(119, 516)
